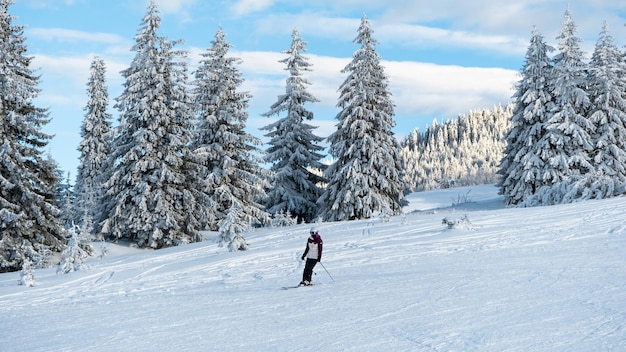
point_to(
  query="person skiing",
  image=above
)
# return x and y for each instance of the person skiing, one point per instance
(313, 255)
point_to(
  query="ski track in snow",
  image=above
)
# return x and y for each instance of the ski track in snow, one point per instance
(530, 279)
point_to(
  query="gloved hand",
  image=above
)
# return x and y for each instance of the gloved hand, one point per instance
(319, 260)
(302, 257)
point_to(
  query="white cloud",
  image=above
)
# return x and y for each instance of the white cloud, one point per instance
(265, 76)
(174, 6)
(310, 25)
(69, 35)
(502, 27)
(419, 89)
(392, 33)
(265, 80)
(64, 83)
(72, 69)
(50, 3)
(446, 90)
(494, 16)
(180, 8)
(261, 62)
(245, 7)
(420, 36)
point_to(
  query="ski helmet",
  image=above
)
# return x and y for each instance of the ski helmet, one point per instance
(313, 231)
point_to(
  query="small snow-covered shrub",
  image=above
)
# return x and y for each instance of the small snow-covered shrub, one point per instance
(72, 258)
(462, 199)
(231, 230)
(405, 221)
(282, 219)
(462, 223)
(27, 277)
(104, 251)
(384, 216)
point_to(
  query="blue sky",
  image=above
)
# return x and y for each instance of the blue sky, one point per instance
(443, 57)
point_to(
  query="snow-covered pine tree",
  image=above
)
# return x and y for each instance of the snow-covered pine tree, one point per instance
(522, 166)
(606, 88)
(294, 150)
(567, 143)
(365, 179)
(66, 201)
(232, 227)
(74, 255)
(29, 224)
(194, 201)
(94, 149)
(228, 154)
(149, 200)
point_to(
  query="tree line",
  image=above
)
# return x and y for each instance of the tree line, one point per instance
(562, 139)
(178, 161)
(460, 152)
(567, 140)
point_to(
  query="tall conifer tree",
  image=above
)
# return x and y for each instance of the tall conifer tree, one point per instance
(606, 87)
(365, 178)
(149, 204)
(567, 143)
(29, 224)
(522, 165)
(94, 148)
(294, 151)
(228, 154)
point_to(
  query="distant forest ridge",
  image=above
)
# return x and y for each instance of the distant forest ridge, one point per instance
(459, 152)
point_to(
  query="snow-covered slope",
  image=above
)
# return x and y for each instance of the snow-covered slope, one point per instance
(533, 279)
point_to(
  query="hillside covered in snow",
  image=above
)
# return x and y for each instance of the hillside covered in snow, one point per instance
(500, 279)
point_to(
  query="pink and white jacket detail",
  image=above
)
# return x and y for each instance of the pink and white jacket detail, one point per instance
(314, 247)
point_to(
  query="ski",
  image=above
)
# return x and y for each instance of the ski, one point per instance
(290, 287)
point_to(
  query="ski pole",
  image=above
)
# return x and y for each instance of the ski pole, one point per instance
(327, 272)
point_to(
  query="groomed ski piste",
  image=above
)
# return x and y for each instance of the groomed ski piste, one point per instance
(501, 279)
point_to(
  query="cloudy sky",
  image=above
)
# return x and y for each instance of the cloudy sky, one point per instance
(443, 57)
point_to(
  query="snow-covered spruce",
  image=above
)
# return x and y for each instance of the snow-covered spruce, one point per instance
(606, 87)
(231, 171)
(524, 162)
(151, 195)
(95, 165)
(567, 144)
(294, 150)
(29, 223)
(365, 178)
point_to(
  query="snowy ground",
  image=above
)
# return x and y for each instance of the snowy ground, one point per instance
(534, 279)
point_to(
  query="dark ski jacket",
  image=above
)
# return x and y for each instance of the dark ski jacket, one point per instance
(313, 248)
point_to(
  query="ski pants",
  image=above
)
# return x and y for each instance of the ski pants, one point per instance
(308, 269)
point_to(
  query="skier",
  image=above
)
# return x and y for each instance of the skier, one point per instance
(313, 255)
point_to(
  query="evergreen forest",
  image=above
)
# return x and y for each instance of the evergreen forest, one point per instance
(176, 160)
